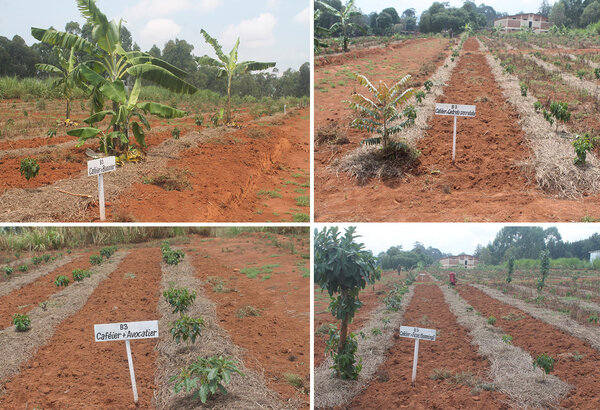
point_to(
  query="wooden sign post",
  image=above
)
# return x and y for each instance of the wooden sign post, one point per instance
(456, 110)
(417, 334)
(99, 167)
(111, 332)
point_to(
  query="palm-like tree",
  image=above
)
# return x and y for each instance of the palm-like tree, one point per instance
(228, 65)
(107, 72)
(67, 69)
(378, 113)
(345, 15)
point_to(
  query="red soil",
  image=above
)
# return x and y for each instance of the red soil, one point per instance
(225, 177)
(74, 371)
(485, 183)
(35, 142)
(537, 337)
(277, 341)
(371, 298)
(452, 350)
(29, 296)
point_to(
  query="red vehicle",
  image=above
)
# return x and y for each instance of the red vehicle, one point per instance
(453, 278)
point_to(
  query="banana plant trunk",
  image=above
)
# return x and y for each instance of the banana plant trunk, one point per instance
(228, 116)
(68, 108)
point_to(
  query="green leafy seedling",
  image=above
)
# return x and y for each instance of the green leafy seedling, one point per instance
(96, 260)
(206, 376)
(544, 362)
(23, 268)
(187, 329)
(29, 168)
(179, 299)
(80, 274)
(21, 321)
(491, 320)
(8, 270)
(61, 280)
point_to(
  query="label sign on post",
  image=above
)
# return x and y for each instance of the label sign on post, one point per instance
(417, 333)
(99, 167)
(455, 110)
(111, 332)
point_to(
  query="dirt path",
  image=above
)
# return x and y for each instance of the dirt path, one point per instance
(537, 337)
(489, 181)
(269, 317)
(73, 371)
(452, 351)
(29, 296)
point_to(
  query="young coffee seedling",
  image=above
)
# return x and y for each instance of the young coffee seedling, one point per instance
(179, 299)
(560, 111)
(170, 256)
(593, 318)
(175, 133)
(507, 339)
(186, 328)
(428, 84)
(96, 260)
(21, 322)
(198, 120)
(29, 168)
(537, 106)
(344, 361)
(36, 260)
(61, 280)
(80, 274)
(108, 251)
(8, 270)
(491, 320)
(23, 268)
(524, 89)
(205, 376)
(544, 362)
(419, 95)
(582, 145)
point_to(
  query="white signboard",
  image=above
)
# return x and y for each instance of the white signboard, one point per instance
(455, 110)
(126, 331)
(417, 333)
(101, 166)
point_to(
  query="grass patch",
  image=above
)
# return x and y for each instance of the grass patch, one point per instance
(303, 200)
(305, 272)
(294, 380)
(301, 217)
(247, 310)
(271, 194)
(172, 180)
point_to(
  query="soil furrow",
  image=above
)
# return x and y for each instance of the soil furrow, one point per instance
(29, 296)
(576, 362)
(74, 371)
(18, 279)
(452, 351)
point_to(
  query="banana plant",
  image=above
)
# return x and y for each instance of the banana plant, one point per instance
(379, 112)
(67, 70)
(110, 69)
(319, 31)
(129, 116)
(347, 12)
(228, 65)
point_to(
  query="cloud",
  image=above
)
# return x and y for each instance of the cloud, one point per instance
(161, 8)
(303, 17)
(254, 33)
(159, 31)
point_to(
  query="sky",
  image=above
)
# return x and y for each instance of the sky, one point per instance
(452, 238)
(270, 30)
(509, 6)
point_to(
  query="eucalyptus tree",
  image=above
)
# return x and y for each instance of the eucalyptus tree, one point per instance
(229, 66)
(66, 69)
(106, 74)
(345, 16)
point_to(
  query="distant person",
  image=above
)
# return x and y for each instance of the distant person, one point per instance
(399, 269)
(452, 279)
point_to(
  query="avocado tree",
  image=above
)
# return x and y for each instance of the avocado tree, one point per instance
(544, 268)
(344, 15)
(228, 65)
(108, 75)
(511, 267)
(343, 267)
(66, 69)
(377, 112)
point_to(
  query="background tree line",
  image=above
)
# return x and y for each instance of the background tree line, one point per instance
(526, 242)
(17, 59)
(572, 13)
(439, 17)
(419, 255)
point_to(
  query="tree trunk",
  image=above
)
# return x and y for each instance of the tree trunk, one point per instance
(343, 334)
(68, 108)
(228, 116)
